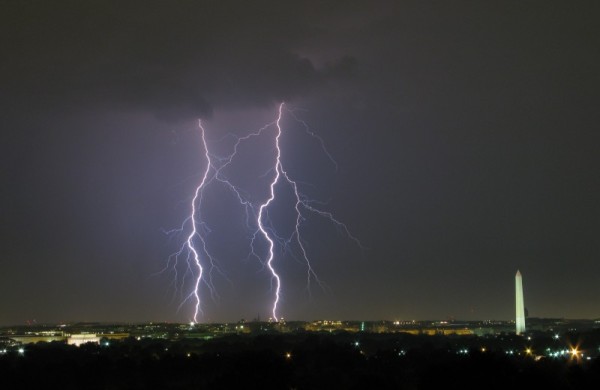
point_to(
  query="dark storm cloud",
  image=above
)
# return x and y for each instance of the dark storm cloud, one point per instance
(466, 135)
(176, 60)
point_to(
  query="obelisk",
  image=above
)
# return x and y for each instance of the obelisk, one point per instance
(520, 304)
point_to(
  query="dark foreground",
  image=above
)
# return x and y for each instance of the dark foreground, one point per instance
(299, 361)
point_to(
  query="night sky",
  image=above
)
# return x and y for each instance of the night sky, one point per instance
(465, 133)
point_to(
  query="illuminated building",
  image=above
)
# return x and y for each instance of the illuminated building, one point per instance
(519, 304)
(78, 339)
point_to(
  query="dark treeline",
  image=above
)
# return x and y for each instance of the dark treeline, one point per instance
(297, 361)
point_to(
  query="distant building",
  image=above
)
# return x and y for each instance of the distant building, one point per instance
(78, 339)
(519, 304)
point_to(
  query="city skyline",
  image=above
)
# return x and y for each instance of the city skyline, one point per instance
(464, 138)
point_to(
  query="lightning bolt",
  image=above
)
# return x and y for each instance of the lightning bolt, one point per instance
(195, 233)
(194, 247)
(195, 250)
(301, 203)
(261, 211)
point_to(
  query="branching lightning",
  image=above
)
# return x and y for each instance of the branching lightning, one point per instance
(200, 264)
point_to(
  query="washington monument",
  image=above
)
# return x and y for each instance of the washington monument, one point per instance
(520, 304)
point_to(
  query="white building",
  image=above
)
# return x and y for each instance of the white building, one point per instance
(78, 339)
